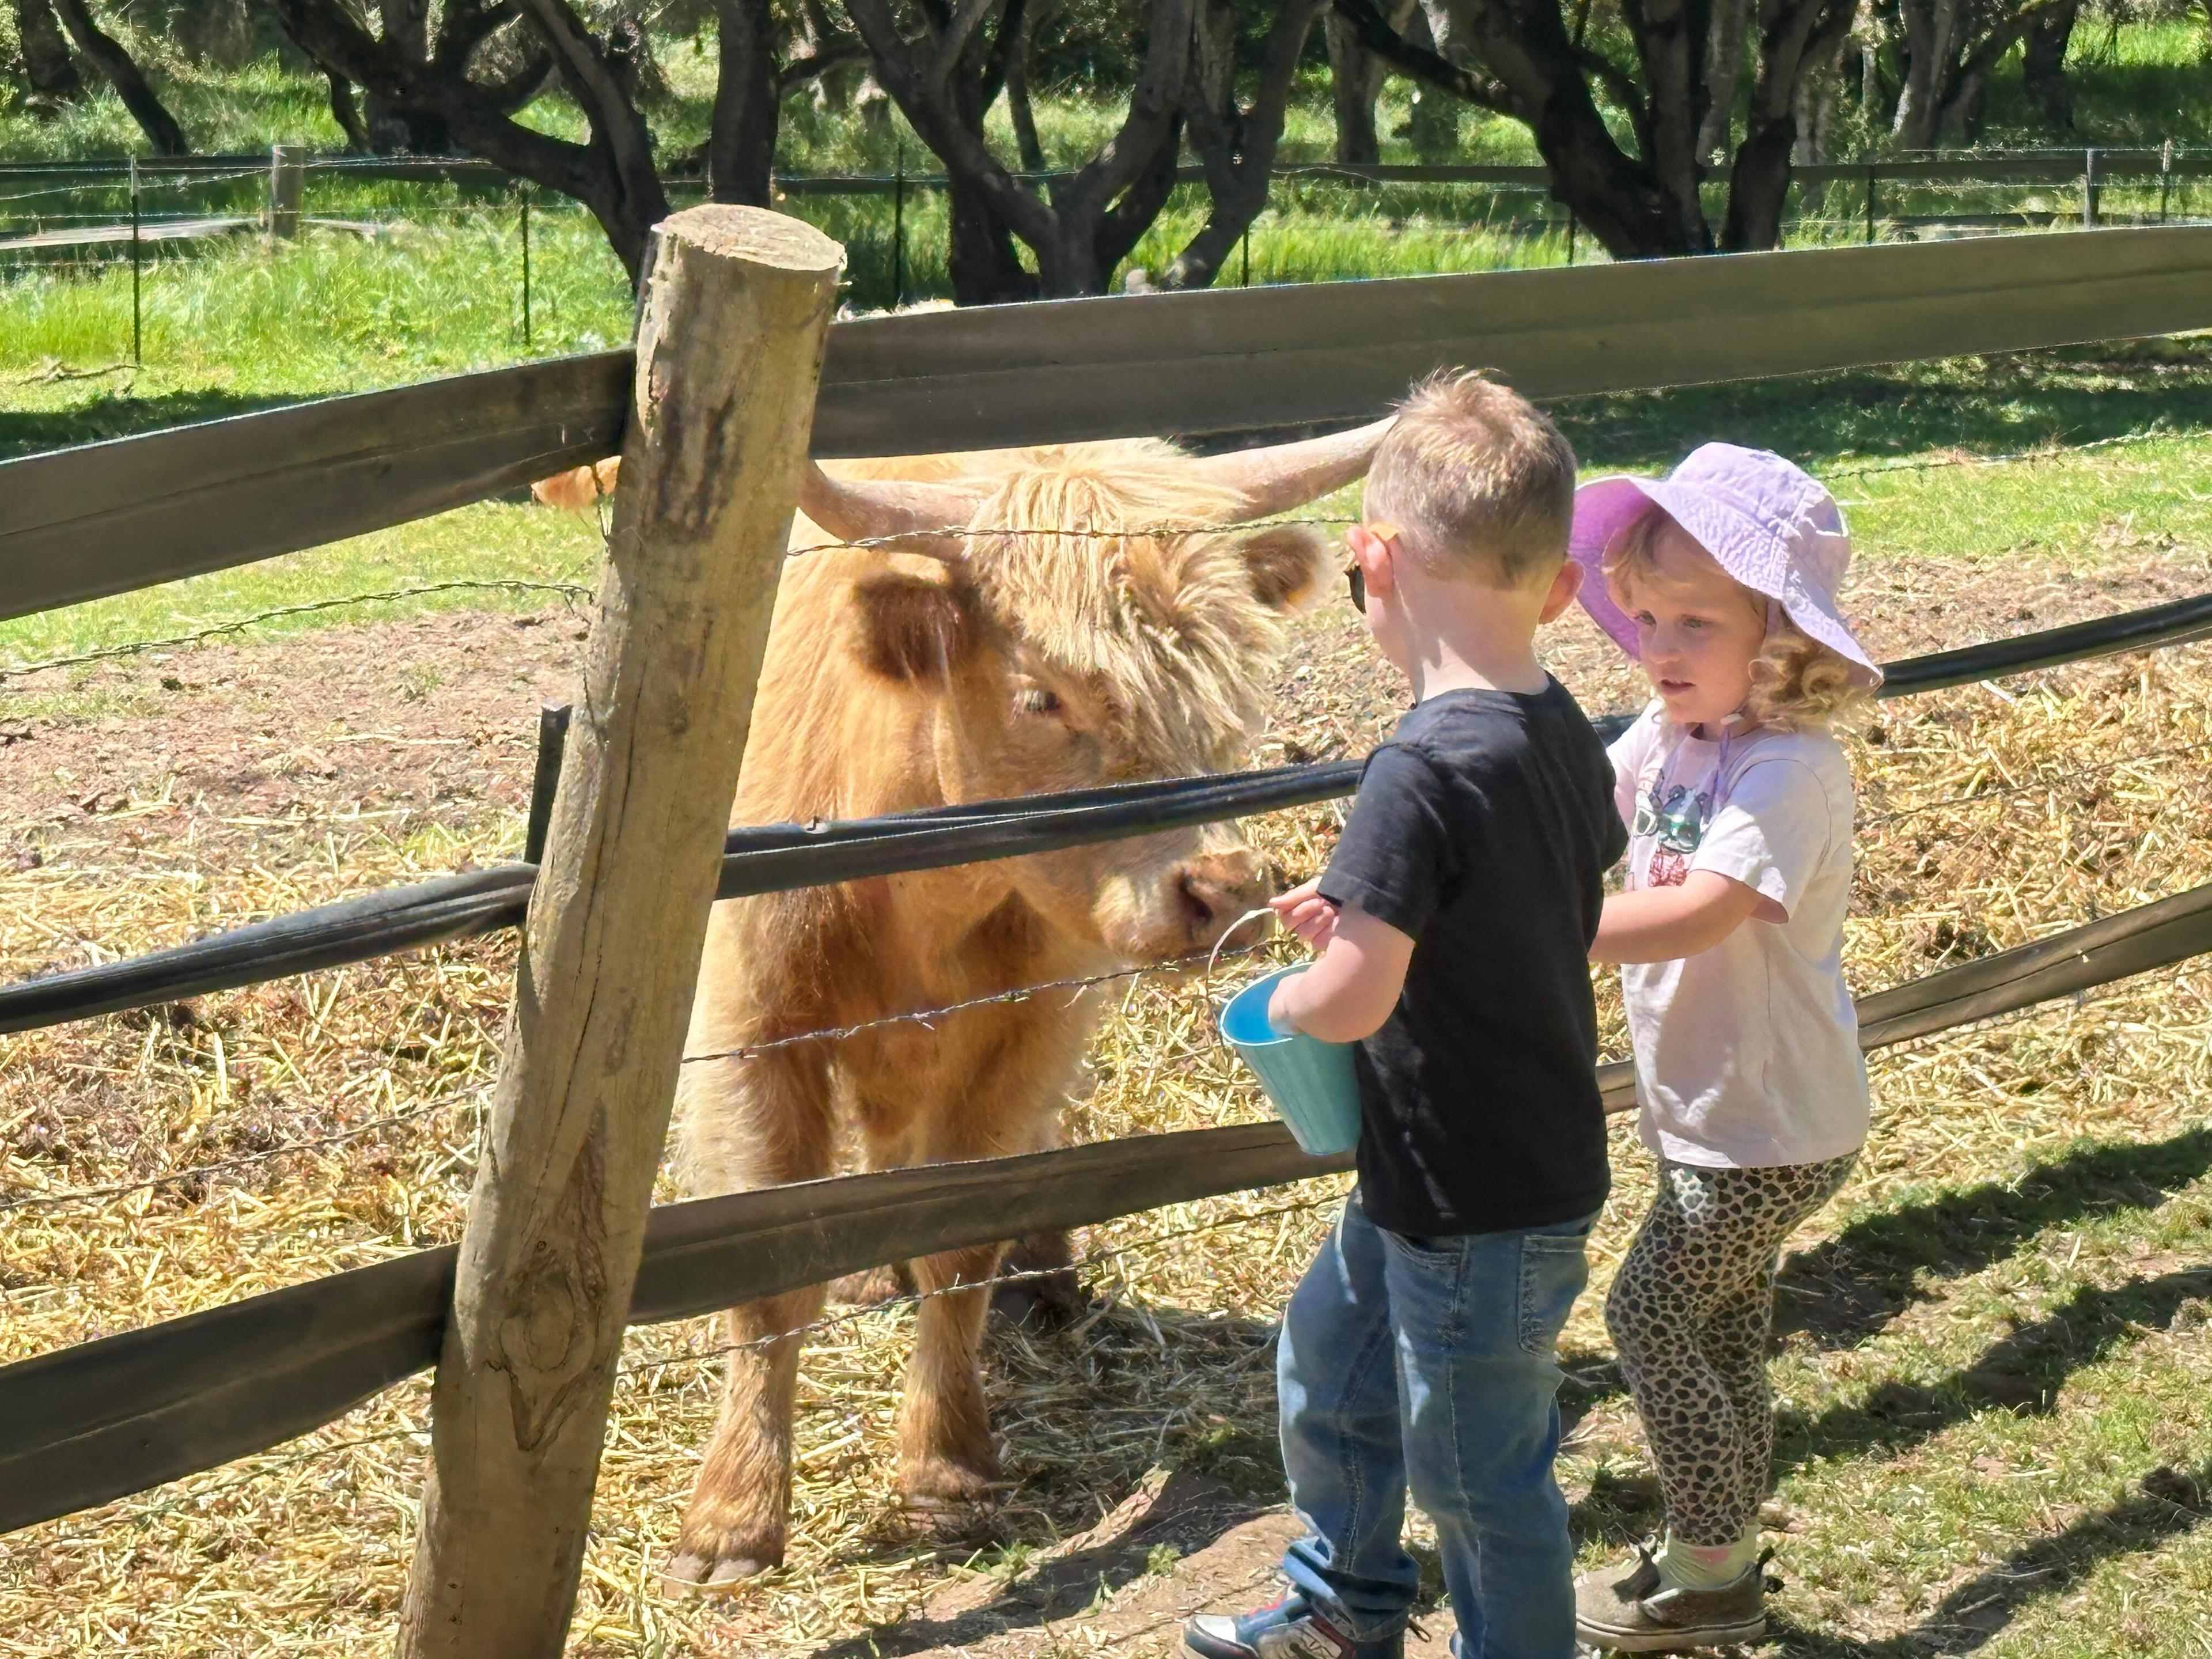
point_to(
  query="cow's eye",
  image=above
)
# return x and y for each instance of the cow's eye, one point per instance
(1038, 701)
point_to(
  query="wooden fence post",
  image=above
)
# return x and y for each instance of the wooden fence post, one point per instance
(287, 178)
(732, 329)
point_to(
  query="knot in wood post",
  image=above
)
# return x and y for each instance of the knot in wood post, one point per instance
(733, 322)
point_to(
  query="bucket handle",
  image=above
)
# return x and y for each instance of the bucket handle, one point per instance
(1263, 910)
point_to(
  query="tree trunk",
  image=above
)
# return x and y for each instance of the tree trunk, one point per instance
(1236, 146)
(1433, 124)
(108, 56)
(730, 343)
(2043, 66)
(1798, 39)
(946, 80)
(1723, 74)
(980, 260)
(1124, 225)
(346, 112)
(1355, 81)
(1027, 145)
(741, 142)
(397, 128)
(1671, 38)
(1929, 46)
(47, 65)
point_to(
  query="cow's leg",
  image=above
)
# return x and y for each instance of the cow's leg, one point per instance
(1051, 1294)
(769, 1127)
(947, 1462)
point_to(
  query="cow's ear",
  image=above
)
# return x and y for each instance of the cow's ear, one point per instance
(913, 629)
(1288, 563)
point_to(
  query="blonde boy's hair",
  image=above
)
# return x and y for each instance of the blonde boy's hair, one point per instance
(1477, 480)
(1797, 684)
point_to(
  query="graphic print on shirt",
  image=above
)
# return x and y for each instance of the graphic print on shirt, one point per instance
(1678, 817)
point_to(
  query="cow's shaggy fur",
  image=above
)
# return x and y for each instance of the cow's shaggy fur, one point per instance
(1101, 618)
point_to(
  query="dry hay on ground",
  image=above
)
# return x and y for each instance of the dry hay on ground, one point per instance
(265, 779)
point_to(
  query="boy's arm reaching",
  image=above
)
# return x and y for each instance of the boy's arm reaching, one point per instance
(1665, 924)
(1349, 993)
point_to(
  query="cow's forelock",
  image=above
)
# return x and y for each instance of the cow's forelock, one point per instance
(1162, 620)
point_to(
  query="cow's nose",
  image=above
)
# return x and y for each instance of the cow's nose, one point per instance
(1217, 890)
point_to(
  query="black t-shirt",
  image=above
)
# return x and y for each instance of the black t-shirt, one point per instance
(1483, 830)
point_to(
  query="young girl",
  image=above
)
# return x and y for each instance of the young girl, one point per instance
(1729, 934)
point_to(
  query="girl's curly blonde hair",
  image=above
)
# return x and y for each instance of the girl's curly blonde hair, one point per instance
(1797, 684)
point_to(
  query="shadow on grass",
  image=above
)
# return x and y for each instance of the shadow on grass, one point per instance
(1991, 405)
(2168, 1502)
(27, 432)
(2022, 1373)
(1849, 1287)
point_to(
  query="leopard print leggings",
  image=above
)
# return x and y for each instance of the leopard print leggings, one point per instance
(1690, 1314)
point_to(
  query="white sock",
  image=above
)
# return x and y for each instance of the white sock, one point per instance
(1706, 1566)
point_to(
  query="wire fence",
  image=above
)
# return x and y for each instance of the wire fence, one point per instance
(53, 229)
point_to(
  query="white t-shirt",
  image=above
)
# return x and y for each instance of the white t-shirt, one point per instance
(1747, 1055)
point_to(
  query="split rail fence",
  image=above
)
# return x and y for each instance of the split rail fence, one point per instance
(733, 332)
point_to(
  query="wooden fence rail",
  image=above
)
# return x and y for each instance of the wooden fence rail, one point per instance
(88, 1423)
(130, 513)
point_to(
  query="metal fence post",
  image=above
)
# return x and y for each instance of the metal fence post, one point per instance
(899, 231)
(524, 194)
(2165, 178)
(734, 319)
(1570, 236)
(1870, 203)
(137, 338)
(545, 782)
(2088, 190)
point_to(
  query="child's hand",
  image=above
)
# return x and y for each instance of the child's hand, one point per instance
(1307, 914)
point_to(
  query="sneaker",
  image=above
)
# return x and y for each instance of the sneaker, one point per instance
(1630, 1608)
(1288, 1629)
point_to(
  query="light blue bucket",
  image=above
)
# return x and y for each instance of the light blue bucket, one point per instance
(1311, 1082)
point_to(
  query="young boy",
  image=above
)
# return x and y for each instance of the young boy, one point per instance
(1454, 923)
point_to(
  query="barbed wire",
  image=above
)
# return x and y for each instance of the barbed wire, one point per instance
(925, 1016)
(150, 1512)
(913, 1298)
(237, 624)
(198, 1171)
(1976, 796)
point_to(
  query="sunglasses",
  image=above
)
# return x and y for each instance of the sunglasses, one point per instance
(1355, 578)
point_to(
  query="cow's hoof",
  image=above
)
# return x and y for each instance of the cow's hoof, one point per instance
(947, 1520)
(693, 1573)
(1043, 1302)
(873, 1288)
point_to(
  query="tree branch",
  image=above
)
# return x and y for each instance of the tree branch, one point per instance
(1419, 62)
(110, 58)
(953, 39)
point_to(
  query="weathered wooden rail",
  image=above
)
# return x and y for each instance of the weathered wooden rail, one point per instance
(515, 1441)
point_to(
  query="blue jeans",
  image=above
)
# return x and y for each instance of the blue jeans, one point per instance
(1427, 1366)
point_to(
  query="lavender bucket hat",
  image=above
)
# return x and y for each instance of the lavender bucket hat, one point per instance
(1766, 521)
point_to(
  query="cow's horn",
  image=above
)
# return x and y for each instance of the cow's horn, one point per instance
(1277, 479)
(921, 518)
